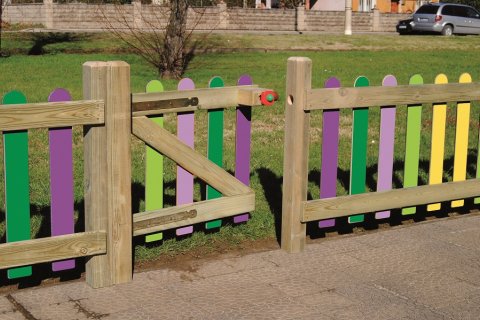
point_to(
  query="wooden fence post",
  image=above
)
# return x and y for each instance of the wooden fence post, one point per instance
(107, 161)
(295, 165)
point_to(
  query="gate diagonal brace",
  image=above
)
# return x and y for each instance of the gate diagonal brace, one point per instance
(191, 160)
(238, 198)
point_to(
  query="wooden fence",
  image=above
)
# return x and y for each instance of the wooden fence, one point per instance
(302, 100)
(109, 114)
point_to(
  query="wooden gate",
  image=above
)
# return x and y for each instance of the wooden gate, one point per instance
(109, 115)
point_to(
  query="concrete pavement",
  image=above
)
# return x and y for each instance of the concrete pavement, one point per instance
(428, 270)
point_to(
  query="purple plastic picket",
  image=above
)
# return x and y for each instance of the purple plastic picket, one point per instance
(386, 145)
(330, 140)
(61, 180)
(185, 132)
(243, 144)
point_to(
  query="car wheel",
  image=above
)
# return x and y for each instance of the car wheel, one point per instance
(447, 30)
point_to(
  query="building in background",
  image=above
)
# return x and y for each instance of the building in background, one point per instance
(384, 6)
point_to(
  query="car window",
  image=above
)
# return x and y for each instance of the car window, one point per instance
(428, 9)
(449, 11)
(456, 11)
(472, 13)
(462, 11)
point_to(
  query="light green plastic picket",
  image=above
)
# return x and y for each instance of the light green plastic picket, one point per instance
(17, 199)
(412, 145)
(358, 164)
(154, 170)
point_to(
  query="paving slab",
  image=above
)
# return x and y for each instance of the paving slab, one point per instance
(8, 310)
(428, 270)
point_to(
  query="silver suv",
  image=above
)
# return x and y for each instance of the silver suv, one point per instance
(447, 19)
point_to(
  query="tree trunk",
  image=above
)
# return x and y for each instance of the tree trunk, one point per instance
(175, 38)
(1, 24)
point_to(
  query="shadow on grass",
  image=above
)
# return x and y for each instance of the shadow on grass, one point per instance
(189, 56)
(272, 186)
(43, 271)
(41, 39)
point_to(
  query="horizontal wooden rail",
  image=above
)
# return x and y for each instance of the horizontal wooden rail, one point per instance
(189, 159)
(398, 198)
(14, 254)
(51, 115)
(144, 104)
(184, 215)
(345, 98)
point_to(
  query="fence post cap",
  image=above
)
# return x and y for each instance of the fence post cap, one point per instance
(118, 63)
(94, 63)
(299, 59)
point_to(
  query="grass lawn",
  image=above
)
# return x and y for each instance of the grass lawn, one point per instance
(373, 56)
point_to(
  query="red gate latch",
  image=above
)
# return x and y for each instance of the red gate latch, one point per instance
(268, 97)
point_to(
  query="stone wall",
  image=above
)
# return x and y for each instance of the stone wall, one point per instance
(90, 16)
(258, 19)
(87, 16)
(27, 13)
(388, 21)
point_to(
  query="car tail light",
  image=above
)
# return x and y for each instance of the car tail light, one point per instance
(438, 18)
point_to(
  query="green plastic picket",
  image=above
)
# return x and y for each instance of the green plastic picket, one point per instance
(17, 198)
(215, 146)
(358, 165)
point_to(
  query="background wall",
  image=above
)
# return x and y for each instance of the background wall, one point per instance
(97, 17)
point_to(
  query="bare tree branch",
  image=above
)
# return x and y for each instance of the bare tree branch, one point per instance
(157, 33)
(3, 5)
